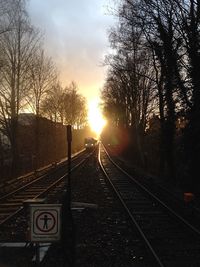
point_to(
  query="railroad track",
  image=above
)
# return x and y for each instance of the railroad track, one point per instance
(13, 184)
(44, 185)
(171, 240)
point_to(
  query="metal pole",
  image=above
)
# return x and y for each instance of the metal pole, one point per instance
(69, 140)
(69, 241)
(37, 254)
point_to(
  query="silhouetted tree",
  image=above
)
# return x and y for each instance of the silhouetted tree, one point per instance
(53, 104)
(188, 24)
(75, 111)
(128, 89)
(66, 106)
(17, 47)
(42, 79)
(164, 29)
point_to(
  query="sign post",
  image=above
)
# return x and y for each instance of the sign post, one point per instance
(45, 222)
(37, 257)
(68, 230)
(69, 152)
(45, 225)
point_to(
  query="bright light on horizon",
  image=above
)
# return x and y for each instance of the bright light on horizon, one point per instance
(95, 117)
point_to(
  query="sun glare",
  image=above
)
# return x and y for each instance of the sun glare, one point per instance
(95, 117)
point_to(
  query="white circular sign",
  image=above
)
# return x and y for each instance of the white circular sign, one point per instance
(45, 221)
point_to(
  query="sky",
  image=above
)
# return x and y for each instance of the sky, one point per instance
(76, 37)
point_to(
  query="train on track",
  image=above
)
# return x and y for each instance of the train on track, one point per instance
(90, 143)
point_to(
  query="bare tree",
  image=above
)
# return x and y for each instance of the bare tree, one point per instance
(128, 90)
(42, 79)
(5, 10)
(65, 105)
(155, 19)
(170, 31)
(53, 104)
(75, 106)
(17, 47)
(188, 24)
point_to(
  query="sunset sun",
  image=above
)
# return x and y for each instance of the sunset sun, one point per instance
(95, 117)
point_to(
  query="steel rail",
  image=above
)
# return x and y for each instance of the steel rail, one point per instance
(130, 214)
(36, 174)
(45, 191)
(47, 169)
(194, 229)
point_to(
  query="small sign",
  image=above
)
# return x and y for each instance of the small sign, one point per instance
(45, 222)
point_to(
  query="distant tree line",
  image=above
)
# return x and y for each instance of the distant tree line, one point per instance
(52, 144)
(51, 147)
(29, 80)
(154, 76)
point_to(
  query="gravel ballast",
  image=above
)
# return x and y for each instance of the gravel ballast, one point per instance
(104, 236)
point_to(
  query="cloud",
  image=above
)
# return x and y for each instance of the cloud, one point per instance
(76, 38)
